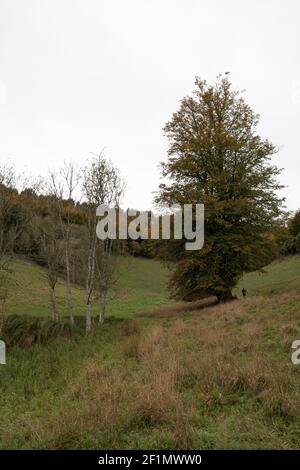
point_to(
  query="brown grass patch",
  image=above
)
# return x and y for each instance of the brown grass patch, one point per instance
(227, 363)
(130, 327)
(178, 308)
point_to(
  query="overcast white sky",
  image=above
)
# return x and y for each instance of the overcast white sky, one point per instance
(77, 76)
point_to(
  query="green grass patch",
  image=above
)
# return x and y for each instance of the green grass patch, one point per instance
(141, 285)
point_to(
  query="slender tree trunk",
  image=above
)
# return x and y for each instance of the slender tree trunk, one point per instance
(90, 282)
(88, 320)
(69, 288)
(102, 307)
(88, 324)
(53, 304)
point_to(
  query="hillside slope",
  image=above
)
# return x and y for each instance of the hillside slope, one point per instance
(219, 377)
(280, 276)
(141, 284)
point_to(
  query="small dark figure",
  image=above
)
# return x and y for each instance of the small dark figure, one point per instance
(244, 292)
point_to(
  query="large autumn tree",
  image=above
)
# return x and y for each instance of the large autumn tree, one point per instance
(217, 158)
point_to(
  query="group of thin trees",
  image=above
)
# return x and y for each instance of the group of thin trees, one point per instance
(98, 182)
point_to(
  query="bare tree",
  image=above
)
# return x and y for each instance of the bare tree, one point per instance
(102, 184)
(51, 253)
(105, 274)
(63, 185)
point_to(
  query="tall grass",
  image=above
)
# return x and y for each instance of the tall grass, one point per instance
(26, 331)
(219, 379)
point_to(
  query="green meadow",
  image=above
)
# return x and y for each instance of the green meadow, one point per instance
(215, 377)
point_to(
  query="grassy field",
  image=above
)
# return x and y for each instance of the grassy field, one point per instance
(217, 377)
(141, 284)
(279, 277)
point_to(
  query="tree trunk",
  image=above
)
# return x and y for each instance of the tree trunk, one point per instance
(69, 290)
(53, 305)
(89, 290)
(90, 281)
(88, 321)
(225, 296)
(102, 308)
(88, 324)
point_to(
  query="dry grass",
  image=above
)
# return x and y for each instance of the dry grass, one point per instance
(178, 308)
(130, 327)
(195, 379)
(220, 365)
